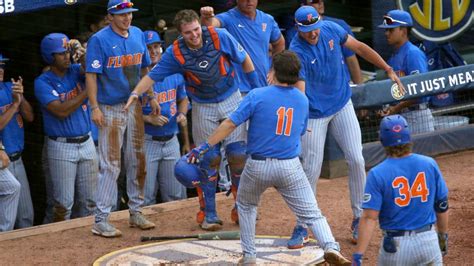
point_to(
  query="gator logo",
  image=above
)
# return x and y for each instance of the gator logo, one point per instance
(439, 20)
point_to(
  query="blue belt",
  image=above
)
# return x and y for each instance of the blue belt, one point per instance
(395, 233)
(80, 139)
(263, 158)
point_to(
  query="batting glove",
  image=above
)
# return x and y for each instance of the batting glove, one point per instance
(443, 243)
(357, 259)
(195, 154)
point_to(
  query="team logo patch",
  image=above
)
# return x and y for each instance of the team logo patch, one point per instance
(397, 128)
(309, 16)
(95, 64)
(70, 2)
(55, 93)
(367, 197)
(150, 35)
(203, 64)
(396, 92)
(331, 44)
(415, 72)
(439, 21)
(264, 27)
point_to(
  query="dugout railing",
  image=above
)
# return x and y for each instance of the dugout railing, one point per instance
(454, 123)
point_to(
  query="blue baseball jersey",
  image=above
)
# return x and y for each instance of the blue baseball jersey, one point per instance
(167, 93)
(255, 36)
(117, 61)
(13, 135)
(404, 191)
(323, 70)
(409, 60)
(48, 88)
(169, 64)
(278, 117)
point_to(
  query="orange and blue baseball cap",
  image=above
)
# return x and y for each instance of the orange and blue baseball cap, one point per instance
(307, 19)
(120, 7)
(394, 131)
(396, 18)
(152, 37)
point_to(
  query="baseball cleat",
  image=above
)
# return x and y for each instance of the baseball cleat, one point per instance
(298, 238)
(211, 223)
(138, 220)
(334, 257)
(247, 260)
(105, 229)
(355, 230)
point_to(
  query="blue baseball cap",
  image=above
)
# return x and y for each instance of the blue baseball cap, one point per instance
(151, 37)
(3, 59)
(396, 18)
(394, 131)
(120, 7)
(51, 44)
(307, 19)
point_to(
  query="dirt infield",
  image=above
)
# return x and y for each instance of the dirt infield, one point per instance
(79, 247)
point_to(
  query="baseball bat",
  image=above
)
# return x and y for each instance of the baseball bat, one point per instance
(224, 235)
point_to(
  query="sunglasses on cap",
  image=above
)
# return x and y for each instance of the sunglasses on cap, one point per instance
(121, 6)
(387, 20)
(308, 22)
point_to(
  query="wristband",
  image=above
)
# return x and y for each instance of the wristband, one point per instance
(252, 79)
(181, 113)
(134, 94)
(94, 107)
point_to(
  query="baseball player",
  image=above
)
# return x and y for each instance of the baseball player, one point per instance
(255, 30)
(161, 143)
(13, 109)
(278, 116)
(319, 46)
(408, 59)
(203, 56)
(9, 192)
(408, 195)
(115, 57)
(72, 159)
(350, 58)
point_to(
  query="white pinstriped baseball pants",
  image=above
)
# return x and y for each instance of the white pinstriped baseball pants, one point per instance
(9, 197)
(161, 156)
(345, 128)
(25, 213)
(416, 249)
(288, 177)
(120, 129)
(73, 169)
(210, 115)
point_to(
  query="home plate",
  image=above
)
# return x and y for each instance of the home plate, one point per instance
(270, 250)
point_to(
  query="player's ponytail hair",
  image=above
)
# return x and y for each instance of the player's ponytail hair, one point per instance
(185, 16)
(286, 65)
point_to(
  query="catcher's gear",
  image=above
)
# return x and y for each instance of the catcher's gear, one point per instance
(357, 259)
(394, 131)
(189, 175)
(443, 243)
(53, 43)
(195, 154)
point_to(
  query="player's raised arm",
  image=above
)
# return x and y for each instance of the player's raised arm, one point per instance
(208, 18)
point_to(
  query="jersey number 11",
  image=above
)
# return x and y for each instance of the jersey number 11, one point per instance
(283, 113)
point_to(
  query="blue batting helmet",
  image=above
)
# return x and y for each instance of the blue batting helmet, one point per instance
(189, 175)
(53, 43)
(151, 37)
(394, 131)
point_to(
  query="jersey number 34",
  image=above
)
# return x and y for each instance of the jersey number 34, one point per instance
(417, 190)
(285, 117)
